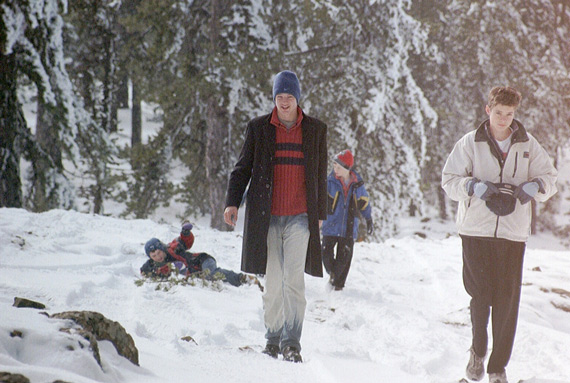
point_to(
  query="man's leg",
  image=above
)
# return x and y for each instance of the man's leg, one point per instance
(328, 254)
(273, 295)
(209, 267)
(229, 276)
(295, 244)
(507, 278)
(476, 279)
(344, 258)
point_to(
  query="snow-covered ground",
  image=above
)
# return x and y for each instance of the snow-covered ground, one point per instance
(403, 316)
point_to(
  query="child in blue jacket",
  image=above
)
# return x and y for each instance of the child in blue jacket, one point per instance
(346, 196)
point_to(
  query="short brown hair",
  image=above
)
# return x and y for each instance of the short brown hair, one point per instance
(504, 95)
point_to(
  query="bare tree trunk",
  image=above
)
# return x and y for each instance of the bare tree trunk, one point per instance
(98, 192)
(216, 140)
(442, 205)
(136, 116)
(136, 127)
(123, 91)
(43, 195)
(109, 91)
(11, 121)
(216, 135)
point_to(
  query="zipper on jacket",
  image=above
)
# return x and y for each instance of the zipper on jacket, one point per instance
(516, 163)
(502, 161)
(498, 217)
(344, 214)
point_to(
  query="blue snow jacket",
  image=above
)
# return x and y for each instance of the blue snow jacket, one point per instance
(342, 212)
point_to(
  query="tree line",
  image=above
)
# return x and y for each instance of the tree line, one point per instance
(397, 82)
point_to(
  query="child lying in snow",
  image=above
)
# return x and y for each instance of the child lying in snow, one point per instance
(176, 253)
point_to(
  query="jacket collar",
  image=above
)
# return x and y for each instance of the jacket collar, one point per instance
(519, 132)
(274, 120)
(332, 176)
(482, 135)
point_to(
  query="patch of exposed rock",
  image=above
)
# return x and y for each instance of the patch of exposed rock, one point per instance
(91, 326)
(104, 329)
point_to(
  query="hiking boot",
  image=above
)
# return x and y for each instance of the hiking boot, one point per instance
(250, 280)
(272, 350)
(291, 354)
(475, 369)
(498, 377)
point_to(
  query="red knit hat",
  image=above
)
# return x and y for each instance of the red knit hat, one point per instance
(345, 159)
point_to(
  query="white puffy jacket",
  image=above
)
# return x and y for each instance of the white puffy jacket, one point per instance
(477, 155)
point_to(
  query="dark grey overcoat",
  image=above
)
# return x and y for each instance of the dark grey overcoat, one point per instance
(255, 166)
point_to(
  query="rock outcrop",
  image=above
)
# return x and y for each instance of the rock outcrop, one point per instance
(91, 326)
(104, 329)
(6, 377)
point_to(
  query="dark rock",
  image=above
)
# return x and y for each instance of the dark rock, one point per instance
(23, 302)
(104, 329)
(6, 377)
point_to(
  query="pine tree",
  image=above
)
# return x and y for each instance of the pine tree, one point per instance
(89, 37)
(203, 59)
(156, 30)
(31, 46)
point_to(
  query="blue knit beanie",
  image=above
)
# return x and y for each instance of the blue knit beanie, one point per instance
(287, 82)
(152, 245)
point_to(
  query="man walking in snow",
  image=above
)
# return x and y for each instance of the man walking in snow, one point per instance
(284, 160)
(494, 172)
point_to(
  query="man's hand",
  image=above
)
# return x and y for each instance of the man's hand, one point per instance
(186, 229)
(231, 215)
(526, 191)
(470, 185)
(484, 190)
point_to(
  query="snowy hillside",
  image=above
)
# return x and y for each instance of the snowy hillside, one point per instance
(403, 316)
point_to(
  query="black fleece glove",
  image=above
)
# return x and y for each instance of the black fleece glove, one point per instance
(369, 226)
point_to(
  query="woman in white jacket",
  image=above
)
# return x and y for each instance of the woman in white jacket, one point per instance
(493, 172)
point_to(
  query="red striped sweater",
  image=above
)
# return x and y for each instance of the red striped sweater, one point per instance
(289, 189)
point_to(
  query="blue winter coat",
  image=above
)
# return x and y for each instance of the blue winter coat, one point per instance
(342, 212)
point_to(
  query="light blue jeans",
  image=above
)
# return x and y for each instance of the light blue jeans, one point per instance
(231, 277)
(284, 297)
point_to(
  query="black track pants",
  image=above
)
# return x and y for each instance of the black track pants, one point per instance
(337, 267)
(492, 275)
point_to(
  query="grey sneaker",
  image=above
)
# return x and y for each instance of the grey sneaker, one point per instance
(475, 369)
(498, 377)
